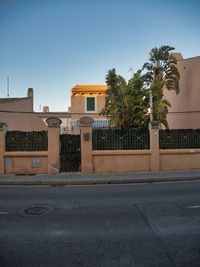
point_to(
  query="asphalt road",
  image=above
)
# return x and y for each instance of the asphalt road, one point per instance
(111, 225)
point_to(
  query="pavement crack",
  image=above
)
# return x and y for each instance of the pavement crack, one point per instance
(147, 222)
(186, 212)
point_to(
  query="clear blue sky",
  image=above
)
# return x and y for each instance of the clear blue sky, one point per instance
(52, 44)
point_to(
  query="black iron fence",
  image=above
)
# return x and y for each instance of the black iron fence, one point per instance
(26, 141)
(70, 153)
(120, 139)
(181, 138)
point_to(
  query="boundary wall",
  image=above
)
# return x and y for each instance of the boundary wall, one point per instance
(153, 159)
(96, 161)
(32, 162)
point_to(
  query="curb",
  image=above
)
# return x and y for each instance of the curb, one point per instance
(100, 181)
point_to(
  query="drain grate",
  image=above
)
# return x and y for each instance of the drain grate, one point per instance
(36, 210)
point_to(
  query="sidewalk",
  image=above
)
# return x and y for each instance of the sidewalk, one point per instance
(92, 179)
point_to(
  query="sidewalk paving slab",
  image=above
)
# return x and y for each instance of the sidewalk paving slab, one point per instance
(106, 178)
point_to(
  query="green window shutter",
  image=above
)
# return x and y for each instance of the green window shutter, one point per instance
(90, 104)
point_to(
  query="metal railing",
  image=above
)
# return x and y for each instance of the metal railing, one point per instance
(180, 138)
(26, 141)
(111, 139)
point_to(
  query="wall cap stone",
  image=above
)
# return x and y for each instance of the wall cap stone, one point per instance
(3, 126)
(86, 121)
(53, 122)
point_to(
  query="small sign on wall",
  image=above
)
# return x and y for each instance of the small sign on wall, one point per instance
(86, 136)
(36, 162)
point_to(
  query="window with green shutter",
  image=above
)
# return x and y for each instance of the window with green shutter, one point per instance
(90, 102)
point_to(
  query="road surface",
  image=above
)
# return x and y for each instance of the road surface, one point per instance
(110, 225)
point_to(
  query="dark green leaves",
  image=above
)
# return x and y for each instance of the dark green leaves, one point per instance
(126, 102)
(161, 72)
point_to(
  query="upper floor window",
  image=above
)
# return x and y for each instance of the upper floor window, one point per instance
(90, 104)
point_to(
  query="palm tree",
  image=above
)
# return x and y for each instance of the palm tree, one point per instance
(161, 73)
(112, 98)
(138, 101)
(126, 103)
(116, 105)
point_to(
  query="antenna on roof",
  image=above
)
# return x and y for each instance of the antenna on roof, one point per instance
(8, 89)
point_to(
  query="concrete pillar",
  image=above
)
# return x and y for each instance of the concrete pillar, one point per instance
(86, 145)
(53, 145)
(154, 145)
(3, 129)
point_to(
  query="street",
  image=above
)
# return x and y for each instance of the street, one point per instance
(155, 224)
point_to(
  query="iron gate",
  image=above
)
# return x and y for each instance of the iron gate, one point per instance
(70, 153)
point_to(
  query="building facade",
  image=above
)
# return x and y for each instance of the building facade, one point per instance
(88, 100)
(184, 112)
(18, 113)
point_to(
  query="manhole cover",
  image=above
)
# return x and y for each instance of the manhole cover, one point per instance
(36, 210)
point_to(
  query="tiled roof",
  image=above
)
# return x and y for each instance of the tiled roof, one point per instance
(89, 88)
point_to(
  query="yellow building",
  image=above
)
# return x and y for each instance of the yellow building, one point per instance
(88, 100)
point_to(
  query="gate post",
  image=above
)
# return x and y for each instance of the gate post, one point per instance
(154, 145)
(86, 145)
(53, 145)
(3, 129)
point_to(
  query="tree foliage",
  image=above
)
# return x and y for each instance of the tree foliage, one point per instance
(126, 103)
(161, 73)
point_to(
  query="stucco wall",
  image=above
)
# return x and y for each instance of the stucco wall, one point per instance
(78, 104)
(121, 161)
(187, 103)
(23, 162)
(19, 114)
(17, 104)
(100, 103)
(179, 159)
(137, 161)
(22, 121)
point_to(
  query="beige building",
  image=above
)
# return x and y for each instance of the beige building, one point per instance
(88, 100)
(185, 107)
(18, 113)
